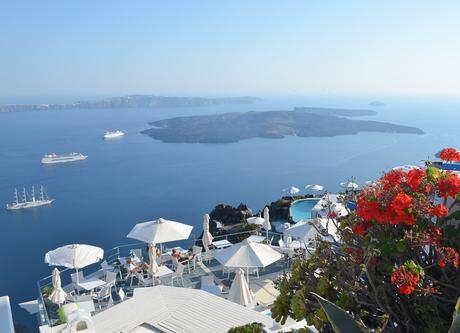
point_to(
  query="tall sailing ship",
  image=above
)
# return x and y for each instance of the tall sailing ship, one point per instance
(42, 200)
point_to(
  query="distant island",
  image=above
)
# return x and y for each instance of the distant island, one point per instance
(134, 101)
(376, 103)
(237, 126)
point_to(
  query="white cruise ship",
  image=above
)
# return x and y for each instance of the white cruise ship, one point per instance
(55, 158)
(113, 134)
(33, 202)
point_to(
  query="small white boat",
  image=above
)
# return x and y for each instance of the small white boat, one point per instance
(55, 158)
(34, 202)
(113, 134)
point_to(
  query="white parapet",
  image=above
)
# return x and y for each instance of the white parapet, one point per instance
(6, 318)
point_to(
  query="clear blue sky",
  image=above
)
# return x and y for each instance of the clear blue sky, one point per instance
(52, 48)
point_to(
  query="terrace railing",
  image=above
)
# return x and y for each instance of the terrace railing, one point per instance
(121, 251)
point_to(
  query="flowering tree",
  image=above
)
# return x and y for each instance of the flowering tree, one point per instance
(396, 266)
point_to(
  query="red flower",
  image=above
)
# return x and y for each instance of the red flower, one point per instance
(450, 155)
(332, 215)
(367, 210)
(449, 186)
(414, 178)
(399, 210)
(406, 289)
(405, 279)
(392, 179)
(360, 228)
(439, 210)
(447, 255)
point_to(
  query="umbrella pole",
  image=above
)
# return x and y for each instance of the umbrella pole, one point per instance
(78, 287)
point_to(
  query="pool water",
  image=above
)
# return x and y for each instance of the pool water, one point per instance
(301, 209)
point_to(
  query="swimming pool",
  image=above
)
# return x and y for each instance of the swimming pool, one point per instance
(301, 209)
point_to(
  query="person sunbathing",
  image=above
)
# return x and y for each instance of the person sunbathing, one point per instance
(181, 257)
(133, 265)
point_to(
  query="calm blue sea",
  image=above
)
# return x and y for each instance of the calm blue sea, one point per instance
(135, 178)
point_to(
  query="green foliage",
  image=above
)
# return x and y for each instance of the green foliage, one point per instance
(249, 328)
(340, 320)
(46, 291)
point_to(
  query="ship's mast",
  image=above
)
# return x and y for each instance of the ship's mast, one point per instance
(33, 194)
(42, 194)
(16, 199)
(24, 196)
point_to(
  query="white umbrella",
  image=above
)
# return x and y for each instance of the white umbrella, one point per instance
(74, 256)
(349, 185)
(302, 231)
(153, 267)
(160, 231)
(58, 295)
(314, 187)
(239, 291)
(207, 237)
(247, 254)
(266, 224)
(292, 190)
(257, 220)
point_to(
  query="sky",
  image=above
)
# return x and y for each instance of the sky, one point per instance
(86, 47)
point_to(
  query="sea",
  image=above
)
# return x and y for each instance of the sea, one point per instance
(135, 178)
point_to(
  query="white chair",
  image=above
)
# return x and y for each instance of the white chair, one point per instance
(197, 251)
(74, 279)
(208, 285)
(106, 267)
(178, 274)
(111, 279)
(104, 295)
(281, 243)
(254, 271)
(141, 280)
(136, 253)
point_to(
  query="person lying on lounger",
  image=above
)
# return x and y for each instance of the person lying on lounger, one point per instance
(180, 257)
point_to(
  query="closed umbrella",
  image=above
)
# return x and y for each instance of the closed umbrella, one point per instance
(266, 225)
(160, 231)
(58, 295)
(74, 256)
(257, 220)
(239, 291)
(207, 237)
(153, 267)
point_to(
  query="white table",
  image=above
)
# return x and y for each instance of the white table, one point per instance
(162, 272)
(91, 283)
(256, 238)
(221, 244)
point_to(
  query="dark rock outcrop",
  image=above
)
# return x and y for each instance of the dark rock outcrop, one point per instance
(236, 126)
(230, 215)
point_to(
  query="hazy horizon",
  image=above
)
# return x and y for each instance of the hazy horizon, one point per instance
(206, 48)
